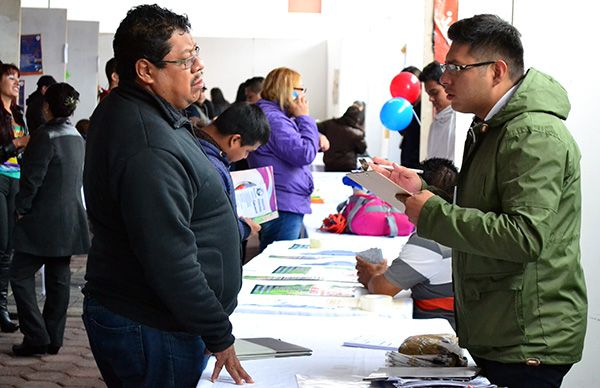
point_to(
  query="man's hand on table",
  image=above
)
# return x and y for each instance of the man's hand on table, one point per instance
(228, 359)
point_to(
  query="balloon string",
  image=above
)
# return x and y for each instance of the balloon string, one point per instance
(416, 117)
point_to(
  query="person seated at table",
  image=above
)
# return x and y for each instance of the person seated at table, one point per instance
(423, 266)
(236, 132)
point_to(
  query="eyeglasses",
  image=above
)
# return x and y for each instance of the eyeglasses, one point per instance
(457, 68)
(186, 62)
(303, 90)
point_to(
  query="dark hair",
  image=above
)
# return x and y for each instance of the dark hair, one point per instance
(62, 99)
(145, 33)
(245, 119)
(413, 69)
(431, 72)
(45, 80)
(6, 117)
(109, 68)
(442, 174)
(240, 95)
(493, 38)
(354, 115)
(254, 84)
(82, 127)
(216, 96)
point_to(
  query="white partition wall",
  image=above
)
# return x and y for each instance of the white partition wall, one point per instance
(82, 68)
(10, 26)
(52, 25)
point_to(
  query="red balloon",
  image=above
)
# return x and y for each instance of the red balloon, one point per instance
(407, 86)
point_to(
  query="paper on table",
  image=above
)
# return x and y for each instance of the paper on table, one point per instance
(371, 343)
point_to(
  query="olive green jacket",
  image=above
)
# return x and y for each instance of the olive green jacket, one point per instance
(519, 286)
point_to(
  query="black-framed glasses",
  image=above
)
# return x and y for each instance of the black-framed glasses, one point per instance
(456, 68)
(186, 62)
(303, 90)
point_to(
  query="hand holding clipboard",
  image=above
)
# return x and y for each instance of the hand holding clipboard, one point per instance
(398, 186)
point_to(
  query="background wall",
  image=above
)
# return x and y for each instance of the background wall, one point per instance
(82, 67)
(10, 26)
(52, 25)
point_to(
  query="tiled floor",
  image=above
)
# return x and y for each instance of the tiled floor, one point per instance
(74, 365)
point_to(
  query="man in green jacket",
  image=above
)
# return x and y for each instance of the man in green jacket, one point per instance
(520, 297)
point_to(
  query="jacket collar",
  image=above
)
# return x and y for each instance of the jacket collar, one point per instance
(174, 117)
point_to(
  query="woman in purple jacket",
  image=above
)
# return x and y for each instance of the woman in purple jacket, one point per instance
(292, 147)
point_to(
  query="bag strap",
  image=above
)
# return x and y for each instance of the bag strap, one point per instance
(358, 204)
(392, 224)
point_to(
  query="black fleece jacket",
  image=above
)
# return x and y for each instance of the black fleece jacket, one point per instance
(166, 250)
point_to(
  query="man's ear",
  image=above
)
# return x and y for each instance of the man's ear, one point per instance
(235, 140)
(500, 69)
(145, 71)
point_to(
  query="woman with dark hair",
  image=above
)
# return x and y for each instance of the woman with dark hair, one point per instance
(13, 138)
(218, 100)
(51, 223)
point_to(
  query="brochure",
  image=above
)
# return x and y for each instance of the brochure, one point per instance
(255, 194)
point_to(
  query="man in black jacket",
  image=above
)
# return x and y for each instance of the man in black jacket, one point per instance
(164, 268)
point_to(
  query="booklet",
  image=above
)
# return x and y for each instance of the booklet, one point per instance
(266, 347)
(255, 194)
(380, 185)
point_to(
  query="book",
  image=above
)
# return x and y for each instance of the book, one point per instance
(381, 186)
(266, 347)
(255, 194)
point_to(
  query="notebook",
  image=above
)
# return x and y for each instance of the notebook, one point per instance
(266, 347)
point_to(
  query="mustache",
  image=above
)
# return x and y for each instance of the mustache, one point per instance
(197, 77)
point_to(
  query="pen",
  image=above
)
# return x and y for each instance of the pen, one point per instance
(388, 167)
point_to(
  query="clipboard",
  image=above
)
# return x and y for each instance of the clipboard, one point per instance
(380, 185)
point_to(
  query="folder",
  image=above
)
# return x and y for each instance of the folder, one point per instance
(381, 186)
(266, 347)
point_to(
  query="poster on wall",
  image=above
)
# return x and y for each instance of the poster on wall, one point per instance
(445, 12)
(31, 54)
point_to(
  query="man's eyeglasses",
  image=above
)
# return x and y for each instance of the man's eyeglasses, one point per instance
(186, 62)
(303, 90)
(456, 68)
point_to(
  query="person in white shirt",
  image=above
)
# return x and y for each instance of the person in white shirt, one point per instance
(442, 129)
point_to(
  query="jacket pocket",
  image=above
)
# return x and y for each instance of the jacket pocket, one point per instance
(211, 264)
(493, 311)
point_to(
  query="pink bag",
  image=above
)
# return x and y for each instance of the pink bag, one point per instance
(369, 215)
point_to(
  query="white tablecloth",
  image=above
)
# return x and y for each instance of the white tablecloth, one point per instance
(341, 366)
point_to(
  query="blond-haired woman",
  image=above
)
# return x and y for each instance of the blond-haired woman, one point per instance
(292, 147)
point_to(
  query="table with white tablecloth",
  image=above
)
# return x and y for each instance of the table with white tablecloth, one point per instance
(323, 318)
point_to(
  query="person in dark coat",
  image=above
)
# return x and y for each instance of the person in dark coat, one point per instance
(346, 138)
(35, 102)
(51, 223)
(165, 257)
(411, 136)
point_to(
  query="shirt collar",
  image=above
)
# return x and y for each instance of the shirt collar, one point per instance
(501, 102)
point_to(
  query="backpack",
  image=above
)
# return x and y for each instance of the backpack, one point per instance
(369, 215)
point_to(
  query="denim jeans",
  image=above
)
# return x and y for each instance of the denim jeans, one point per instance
(130, 354)
(285, 227)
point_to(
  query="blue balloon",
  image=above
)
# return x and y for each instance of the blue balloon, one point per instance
(396, 114)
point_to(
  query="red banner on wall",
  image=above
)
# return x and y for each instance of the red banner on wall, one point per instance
(445, 12)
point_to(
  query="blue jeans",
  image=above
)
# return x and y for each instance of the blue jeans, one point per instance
(286, 227)
(130, 354)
